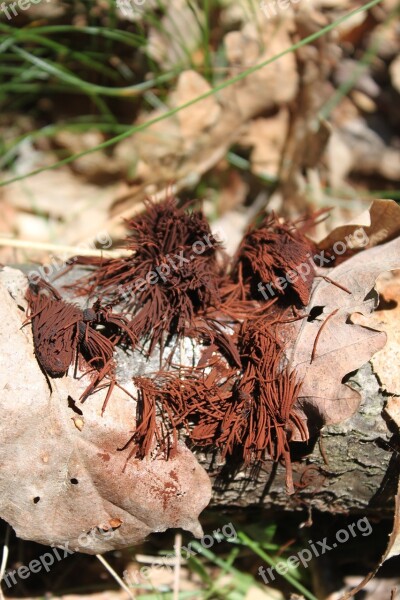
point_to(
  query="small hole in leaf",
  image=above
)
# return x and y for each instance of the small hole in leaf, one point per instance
(74, 481)
(372, 295)
(72, 405)
(386, 304)
(314, 313)
(36, 499)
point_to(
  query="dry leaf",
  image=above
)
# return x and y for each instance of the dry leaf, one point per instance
(192, 123)
(366, 152)
(188, 144)
(86, 203)
(59, 481)
(381, 222)
(275, 84)
(267, 138)
(386, 363)
(342, 346)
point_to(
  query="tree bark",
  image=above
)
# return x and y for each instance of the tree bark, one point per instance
(353, 467)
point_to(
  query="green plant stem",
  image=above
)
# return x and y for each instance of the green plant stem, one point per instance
(265, 557)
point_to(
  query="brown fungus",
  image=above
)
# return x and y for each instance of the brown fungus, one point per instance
(270, 253)
(160, 409)
(63, 334)
(172, 275)
(256, 417)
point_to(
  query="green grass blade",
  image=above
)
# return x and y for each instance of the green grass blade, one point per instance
(79, 56)
(91, 88)
(272, 562)
(124, 37)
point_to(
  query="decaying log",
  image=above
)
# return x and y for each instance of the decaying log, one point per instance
(352, 467)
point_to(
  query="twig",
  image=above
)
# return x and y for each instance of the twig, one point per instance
(4, 558)
(177, 566)
(72, 250)
(115, 575)
(314, 350)
(341, 287)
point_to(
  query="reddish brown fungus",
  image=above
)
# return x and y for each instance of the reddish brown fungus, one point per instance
(171, 276)
(240, 398)
(160, 409)
(63, 333)
(55, 328)
(256, 416)
(270, 253)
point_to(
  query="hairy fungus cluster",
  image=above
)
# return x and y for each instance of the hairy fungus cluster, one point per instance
(240, 398)
(270, 252)
(171, 275)
(64, 335)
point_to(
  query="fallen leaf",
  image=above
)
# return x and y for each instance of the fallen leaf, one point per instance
(386, 363)
(267, 137)
(60, 483)
(188, 144)
(381, 222)
(323, 357)
(367, 151)
(262, 89)
(86, 203)
(192, 123)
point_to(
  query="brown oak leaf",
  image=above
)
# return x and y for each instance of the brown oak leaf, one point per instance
(328, 344)
(62, 477)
